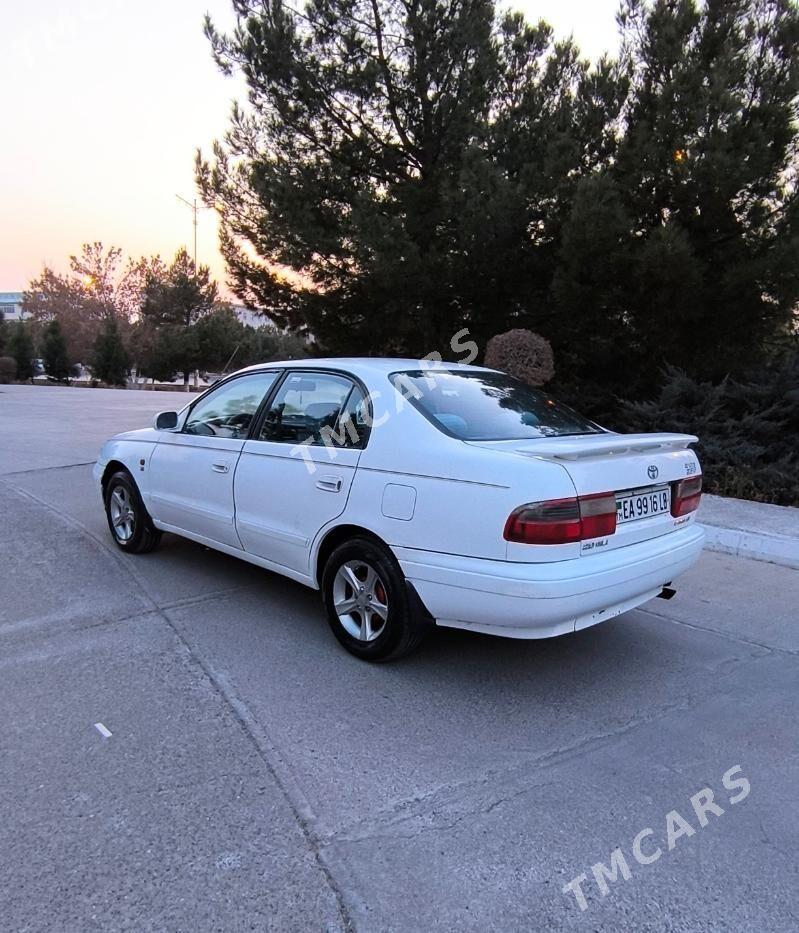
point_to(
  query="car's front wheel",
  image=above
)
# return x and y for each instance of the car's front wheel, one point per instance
(128, 519)
(367, 602)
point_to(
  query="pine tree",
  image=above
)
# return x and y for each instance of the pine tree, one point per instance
(684, 249)
(426, 167)
(220, 335)
(176, 297)
(110, 361)
(54, 352)
(707, 163)
(396, 157)
(20, 346)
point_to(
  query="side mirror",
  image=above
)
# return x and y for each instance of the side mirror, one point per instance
(166, 420)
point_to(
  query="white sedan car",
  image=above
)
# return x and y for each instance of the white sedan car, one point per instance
(414, 495)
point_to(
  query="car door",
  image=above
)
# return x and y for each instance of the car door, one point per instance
(295, 473)
(192, 470)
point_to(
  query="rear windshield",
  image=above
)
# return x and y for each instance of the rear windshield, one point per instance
(487, 406)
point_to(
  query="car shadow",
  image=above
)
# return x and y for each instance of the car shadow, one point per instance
(636, 650)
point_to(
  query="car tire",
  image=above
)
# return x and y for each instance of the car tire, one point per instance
(383, 622)
(128, 520)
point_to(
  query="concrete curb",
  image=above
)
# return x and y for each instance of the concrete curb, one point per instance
(756, 530)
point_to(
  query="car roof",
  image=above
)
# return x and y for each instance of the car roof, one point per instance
(362, 365)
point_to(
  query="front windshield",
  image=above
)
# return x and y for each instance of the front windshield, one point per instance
(488, 406)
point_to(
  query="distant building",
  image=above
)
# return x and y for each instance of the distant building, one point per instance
(11, 306)
(251, 317)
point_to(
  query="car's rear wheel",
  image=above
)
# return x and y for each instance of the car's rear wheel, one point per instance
(131, 526)
(367, 602)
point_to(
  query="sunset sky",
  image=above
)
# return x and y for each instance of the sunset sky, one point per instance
(103, 104)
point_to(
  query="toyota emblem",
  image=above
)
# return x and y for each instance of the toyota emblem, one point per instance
(652, 471)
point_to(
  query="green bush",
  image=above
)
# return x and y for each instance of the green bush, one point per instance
(110, 360)
(8, 369)
(57, 364)
(20, 347)
(748, 430)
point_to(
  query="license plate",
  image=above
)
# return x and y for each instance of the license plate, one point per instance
(644, 504)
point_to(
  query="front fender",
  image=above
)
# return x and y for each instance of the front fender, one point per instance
(134, 455)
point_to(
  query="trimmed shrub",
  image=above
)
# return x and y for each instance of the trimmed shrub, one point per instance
(523, 354)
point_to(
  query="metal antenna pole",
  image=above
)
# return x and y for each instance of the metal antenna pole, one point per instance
(194, 209)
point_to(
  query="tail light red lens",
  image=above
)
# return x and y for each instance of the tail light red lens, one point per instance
(598, 514)
(563, 521)
(554, 522)
(685, 496)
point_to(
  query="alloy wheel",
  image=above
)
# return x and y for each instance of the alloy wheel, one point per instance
(123, 516)
(360, 600)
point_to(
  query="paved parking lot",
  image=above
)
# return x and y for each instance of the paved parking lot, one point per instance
(258, 777)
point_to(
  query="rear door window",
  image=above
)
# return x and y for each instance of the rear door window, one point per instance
(354, 421)
(306, 408)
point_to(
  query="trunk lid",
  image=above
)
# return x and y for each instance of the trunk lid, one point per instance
(630, 465)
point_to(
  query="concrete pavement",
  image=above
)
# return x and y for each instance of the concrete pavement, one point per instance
(259, 777)
(76, 421)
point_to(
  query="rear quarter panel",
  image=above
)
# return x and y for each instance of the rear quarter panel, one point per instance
(462, 495)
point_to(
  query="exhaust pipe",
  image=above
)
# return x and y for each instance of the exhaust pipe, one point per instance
(667, 592)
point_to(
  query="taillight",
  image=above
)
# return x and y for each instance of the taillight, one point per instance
(598, 514)
(553, 522)
(685, 496)
(563, 521)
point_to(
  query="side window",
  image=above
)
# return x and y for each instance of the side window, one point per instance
(305, 409)
(353, 424)
(228, 410)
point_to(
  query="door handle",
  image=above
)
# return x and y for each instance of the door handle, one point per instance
(329, 483)
(221, 467)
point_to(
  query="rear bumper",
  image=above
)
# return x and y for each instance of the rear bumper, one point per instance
(544, 599)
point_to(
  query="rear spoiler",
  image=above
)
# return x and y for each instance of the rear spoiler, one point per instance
(603, 445)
